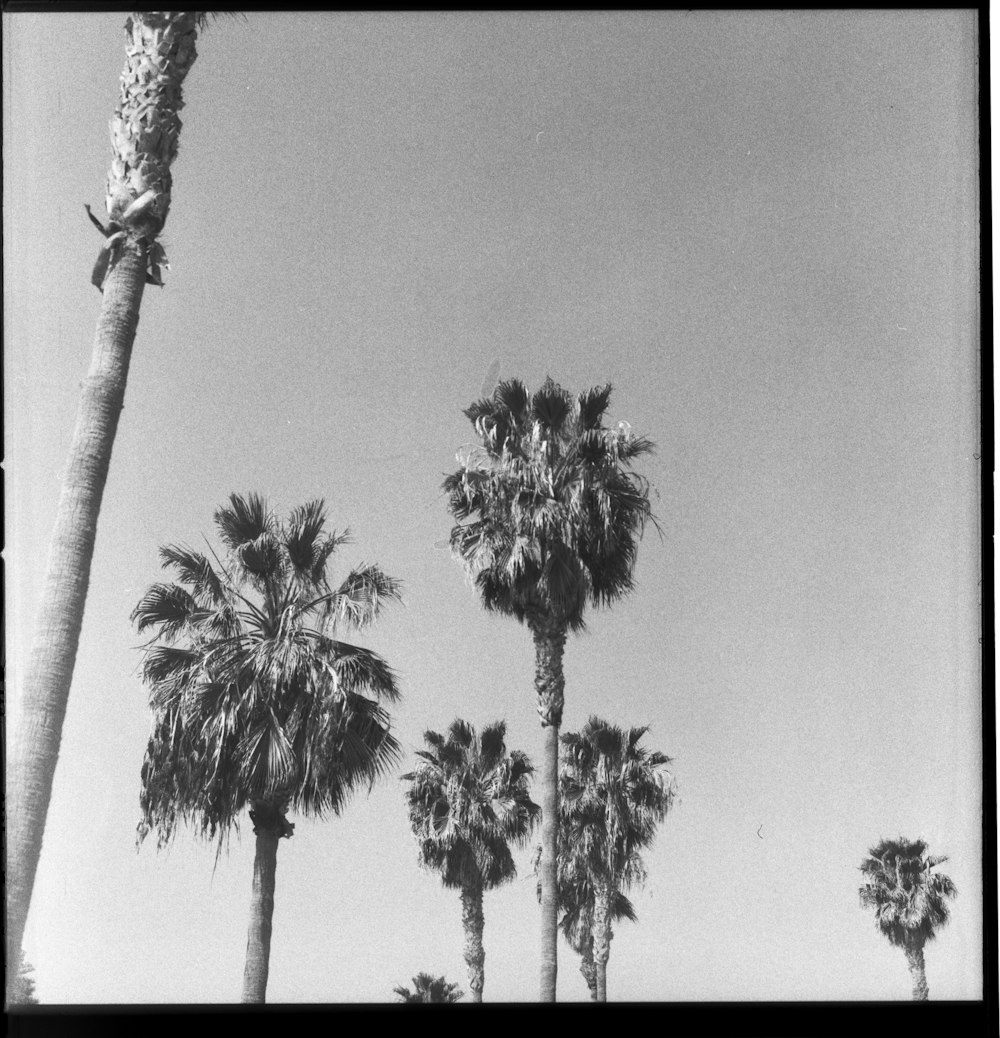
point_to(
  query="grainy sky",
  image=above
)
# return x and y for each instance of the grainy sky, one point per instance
(762, 229)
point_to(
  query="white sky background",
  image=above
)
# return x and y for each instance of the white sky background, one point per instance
(762, 229)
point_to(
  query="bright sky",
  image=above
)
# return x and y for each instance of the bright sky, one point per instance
(762, 229)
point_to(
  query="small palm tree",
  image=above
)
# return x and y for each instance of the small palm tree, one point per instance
(22, 991)
(614, 795)
(468, 802)
(256, 701)
(910, 901)
(548, 518)
(427, 988)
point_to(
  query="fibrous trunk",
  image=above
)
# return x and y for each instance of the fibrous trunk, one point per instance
(602, 937)
(915, 961)
(270, 825)
(588, 967)
(472, 925)
(144, 133)
(550, 640)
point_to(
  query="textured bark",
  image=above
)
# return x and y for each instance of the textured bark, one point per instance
(472, 925)
(270, 825)
(602, 938)
(550, 641)
(915, 961)
(587, 966)
(146, 126)
(49, 672)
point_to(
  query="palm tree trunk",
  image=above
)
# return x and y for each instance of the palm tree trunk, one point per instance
(602, 937)
(472, 924)
(587, 966)
(915, 961)
(550, 641)
(50, 666)
(144, 132)
(270, 825)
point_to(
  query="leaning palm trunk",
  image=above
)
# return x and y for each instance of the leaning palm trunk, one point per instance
(144, 133)
(602, 938)
(550, 641)
(270, 825)
(472, 924)
(915, 961)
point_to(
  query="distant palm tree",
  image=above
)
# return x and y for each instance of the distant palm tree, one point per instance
(468, 802)
(145, 131)
(22, 991)
(256, 702)
(614, 795)
(429, 989)
(910, 901)
(549, 517)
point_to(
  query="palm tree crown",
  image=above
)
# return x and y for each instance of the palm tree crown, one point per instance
(427, 988)
(910, 901)
(614, 793)
(468, 802)
(256, 701)
(549, 514)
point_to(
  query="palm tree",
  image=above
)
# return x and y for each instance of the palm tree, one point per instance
(548, 518)
(614, 795)
(144, 134)
(427, 988)
(576, 905)
(468, 802)
(256, 702)
(910, 901)
(22, 991)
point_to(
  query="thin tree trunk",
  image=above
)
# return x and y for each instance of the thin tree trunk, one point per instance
(915, 961)
(49, 671)
(602, 938)
(472, 924)
(587, 966)
(261, 912)
(550, 641)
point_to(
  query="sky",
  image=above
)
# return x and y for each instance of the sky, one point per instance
(762, 229)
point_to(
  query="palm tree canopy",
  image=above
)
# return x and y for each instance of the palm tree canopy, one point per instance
(613, 794)
(910, 901)
(549, 513)
(254, 695)
(468, 802)
(427, 988)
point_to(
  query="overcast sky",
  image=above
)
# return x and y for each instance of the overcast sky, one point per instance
(761, 228)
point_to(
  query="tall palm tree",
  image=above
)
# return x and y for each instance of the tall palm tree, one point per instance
(256, 701)
(548, 518)
(427, 988)
(614, 795)
(145, 129)
(468, 802)
(910, 901)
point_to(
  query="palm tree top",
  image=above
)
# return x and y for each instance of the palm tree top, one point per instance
(255, 694)
(909, 899)
(428, 988)
(613, 794)
(549, 512)
(468, 802)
